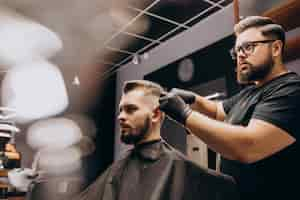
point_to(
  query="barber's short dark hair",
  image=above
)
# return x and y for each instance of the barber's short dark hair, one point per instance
(149, 87)
(266, 25)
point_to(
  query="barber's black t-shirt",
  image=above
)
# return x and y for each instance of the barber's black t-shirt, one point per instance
(277, 102)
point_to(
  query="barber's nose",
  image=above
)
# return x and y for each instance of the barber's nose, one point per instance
(241, 54)
(241, 59)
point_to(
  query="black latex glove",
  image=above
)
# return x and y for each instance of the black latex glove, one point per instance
(175, 107)
(187, 96)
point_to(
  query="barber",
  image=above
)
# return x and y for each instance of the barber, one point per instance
(256, 131)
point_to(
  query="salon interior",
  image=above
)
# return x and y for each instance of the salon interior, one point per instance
(63, 64)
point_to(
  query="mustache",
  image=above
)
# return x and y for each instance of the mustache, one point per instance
(124, 125)
(244, 62)
(237, 69)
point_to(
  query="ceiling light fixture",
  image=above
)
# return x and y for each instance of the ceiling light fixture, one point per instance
(76, 81)
(136, 59)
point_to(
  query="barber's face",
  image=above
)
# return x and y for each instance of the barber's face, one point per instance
(135, 117)
(257, 63)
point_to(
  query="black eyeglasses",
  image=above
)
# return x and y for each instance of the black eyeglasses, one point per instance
(247, 48)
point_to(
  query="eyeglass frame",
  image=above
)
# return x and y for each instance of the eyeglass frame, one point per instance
(241, 48)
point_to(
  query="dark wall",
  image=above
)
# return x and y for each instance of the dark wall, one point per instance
(104, 115)
(210, 63)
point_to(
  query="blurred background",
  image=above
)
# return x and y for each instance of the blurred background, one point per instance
(63, 64)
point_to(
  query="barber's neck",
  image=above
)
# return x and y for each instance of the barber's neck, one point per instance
(278, 70)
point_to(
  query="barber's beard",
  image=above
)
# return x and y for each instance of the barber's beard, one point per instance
(134, 138)
(256, 73)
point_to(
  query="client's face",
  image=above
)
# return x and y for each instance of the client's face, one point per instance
(134, 117)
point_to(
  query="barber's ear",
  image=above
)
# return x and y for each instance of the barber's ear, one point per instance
(277, 48)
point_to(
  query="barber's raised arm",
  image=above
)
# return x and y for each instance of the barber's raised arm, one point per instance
(246, 144)
(200, 104)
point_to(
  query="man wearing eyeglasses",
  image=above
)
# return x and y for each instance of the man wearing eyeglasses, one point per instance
(256, 131)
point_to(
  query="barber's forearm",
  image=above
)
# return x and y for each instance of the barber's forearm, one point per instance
(226, 139)
(206, 107)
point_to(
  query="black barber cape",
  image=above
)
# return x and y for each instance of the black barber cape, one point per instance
(156, 171)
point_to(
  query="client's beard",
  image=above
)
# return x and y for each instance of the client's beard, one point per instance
(135, 138)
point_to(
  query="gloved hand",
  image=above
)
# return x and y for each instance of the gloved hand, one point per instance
(175, 107)
(188, 96)
(22, 178)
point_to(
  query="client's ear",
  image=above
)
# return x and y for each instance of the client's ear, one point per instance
(157, 114)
